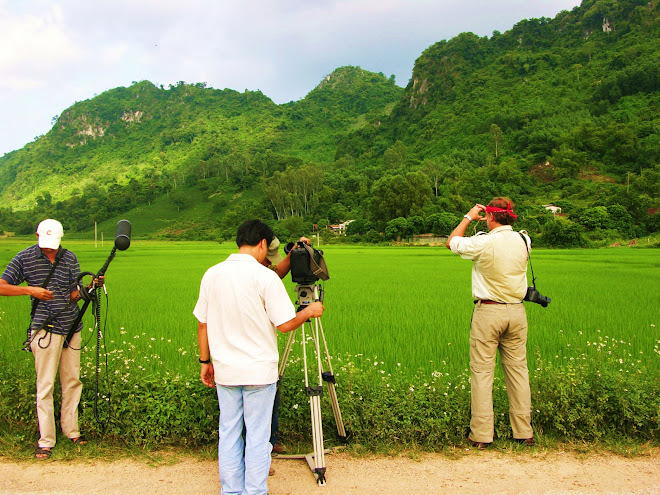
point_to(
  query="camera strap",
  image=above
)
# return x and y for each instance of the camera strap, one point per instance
(529, 257)
(319, 268)
(35, 301)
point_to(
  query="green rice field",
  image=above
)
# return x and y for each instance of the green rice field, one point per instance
(406, 309)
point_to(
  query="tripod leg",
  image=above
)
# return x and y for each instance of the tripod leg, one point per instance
(330, 381)
(315, 405)
(317, 437)
(285, 353)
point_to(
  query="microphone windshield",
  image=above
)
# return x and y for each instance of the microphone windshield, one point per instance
(123, 236)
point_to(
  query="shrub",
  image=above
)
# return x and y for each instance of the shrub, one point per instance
(588, 398)
(562, 233)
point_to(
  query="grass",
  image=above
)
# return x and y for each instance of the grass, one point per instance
(397, 324)
(407, 307)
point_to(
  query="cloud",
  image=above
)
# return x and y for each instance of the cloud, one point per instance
(70, 50)
(38, 44)
(13, 83)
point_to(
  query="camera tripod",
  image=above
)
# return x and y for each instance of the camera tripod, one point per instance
(314, 328)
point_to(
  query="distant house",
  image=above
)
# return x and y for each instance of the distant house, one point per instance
(340, 228)
(554, 209)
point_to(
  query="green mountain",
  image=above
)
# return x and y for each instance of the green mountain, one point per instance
(135, 132)
(562, 111)
(579, 91)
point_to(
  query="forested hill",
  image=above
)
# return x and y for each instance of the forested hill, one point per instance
(143, 130)
(580, 91)
(562, 111)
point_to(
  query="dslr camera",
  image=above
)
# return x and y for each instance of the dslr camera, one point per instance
(535, 296)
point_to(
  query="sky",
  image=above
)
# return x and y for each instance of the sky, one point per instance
(56, 52)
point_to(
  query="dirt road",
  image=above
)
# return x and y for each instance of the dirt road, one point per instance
(470, 472)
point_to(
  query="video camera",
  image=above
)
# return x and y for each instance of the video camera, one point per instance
(307, 263)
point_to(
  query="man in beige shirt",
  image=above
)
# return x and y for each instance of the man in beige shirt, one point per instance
(499, 321)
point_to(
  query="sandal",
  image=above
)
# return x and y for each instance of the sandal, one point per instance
(42, 453)
(79, 440)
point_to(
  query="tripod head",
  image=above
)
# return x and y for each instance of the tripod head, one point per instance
(308, 293)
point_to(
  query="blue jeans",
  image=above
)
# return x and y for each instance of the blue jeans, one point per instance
(275, 422)
(244, 465)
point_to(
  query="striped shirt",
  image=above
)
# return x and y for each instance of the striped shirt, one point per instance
(32, 266)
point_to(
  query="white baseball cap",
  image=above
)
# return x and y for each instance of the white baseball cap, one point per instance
(50, 232)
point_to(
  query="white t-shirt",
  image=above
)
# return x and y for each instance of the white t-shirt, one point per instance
(499, 271)
(242, 302)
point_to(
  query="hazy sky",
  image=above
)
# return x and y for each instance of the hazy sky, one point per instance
(54, 53)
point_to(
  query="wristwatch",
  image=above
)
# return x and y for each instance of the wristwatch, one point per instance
(206, 361)
(468, 217)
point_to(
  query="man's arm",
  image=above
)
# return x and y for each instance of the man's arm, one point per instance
(284, 266)
(7, 289)
(206, 374)
(314, 310)
(474, 214)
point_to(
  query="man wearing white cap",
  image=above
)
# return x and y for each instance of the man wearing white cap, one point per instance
(50, 272)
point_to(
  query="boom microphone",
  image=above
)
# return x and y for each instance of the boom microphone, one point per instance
(123, 236)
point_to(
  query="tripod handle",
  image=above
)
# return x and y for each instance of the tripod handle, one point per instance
(318, 293)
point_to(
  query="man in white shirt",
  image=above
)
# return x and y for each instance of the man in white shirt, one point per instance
(241, 304)
(499, 321)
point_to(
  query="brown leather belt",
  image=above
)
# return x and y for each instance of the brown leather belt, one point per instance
(487, 301)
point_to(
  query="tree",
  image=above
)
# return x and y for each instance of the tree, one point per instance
(595, 218)
(396, 228)
(562, 233)
(496, 137)
(399, 196)
(441, 223)
(358, 227)
(45, 200)
(310, 179)
(338, 213)
(435, 171)
(620, 219)
(416, 225)
(395, 156)
(293, 227)
(181, 199)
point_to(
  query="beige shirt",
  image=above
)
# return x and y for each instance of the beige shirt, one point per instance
(499, 271)
(242, 302)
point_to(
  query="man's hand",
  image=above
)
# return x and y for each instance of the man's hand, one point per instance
(474, 214)
(207, 375)
(41, 293)
(315, 309)
(476, 211)
(305, 240)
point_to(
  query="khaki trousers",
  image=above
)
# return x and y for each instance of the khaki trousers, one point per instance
(503, 327)
(49, 354)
